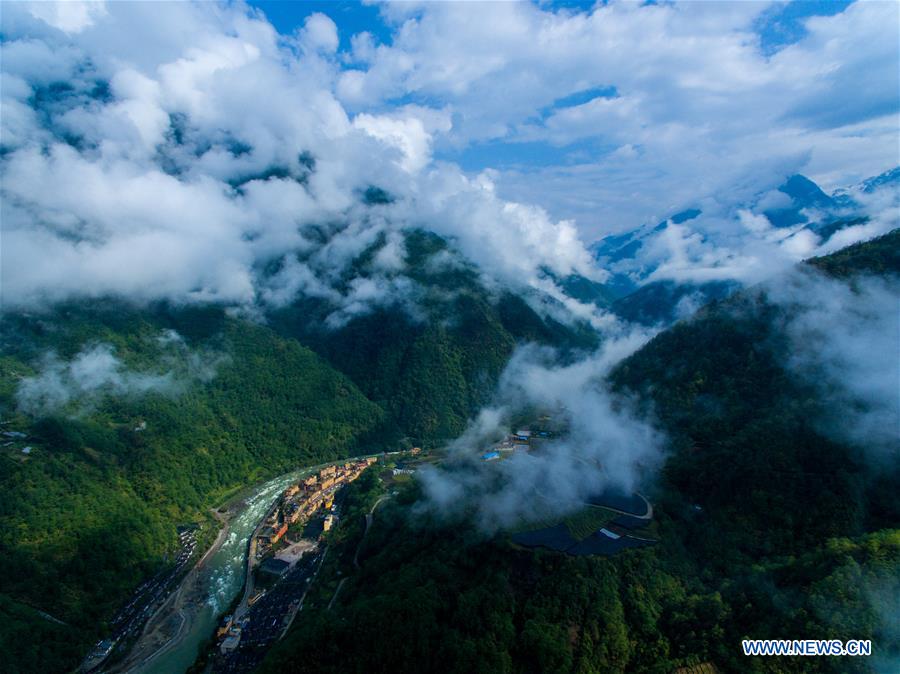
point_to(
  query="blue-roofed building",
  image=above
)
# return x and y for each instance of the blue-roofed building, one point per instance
(491, 456)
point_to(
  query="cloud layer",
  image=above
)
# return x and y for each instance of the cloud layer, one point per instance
(844, 340)
(629, 112)
(96, 371)
(603, 443)
(190, 152)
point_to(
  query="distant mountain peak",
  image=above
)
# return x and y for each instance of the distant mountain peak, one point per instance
(802, 189)
(888, 177)
(797, 205)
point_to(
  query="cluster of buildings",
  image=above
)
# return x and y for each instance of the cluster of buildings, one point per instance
(271, 600)
(229, 633)
(521, 440)
(301, 501)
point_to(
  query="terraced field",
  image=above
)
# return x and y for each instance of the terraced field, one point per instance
(579, 533)
(587, 520)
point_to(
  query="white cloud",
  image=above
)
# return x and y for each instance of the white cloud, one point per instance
(845, 338)
(410, 130)
(96, 371)
(207, 166)
(69, 16)
(604, 445)
(167, 150)
(92, 372)
(320, 33)
(697, 101)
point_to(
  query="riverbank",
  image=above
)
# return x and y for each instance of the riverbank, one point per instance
(250, 562)
(172, 636)
(156, 637)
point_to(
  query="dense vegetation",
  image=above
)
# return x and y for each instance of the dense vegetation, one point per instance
(768, 529)
(664, 302)
(433, 367)
(880, 256)
(92, 510)
(433, 597)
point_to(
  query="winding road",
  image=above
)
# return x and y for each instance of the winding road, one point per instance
(369, 517)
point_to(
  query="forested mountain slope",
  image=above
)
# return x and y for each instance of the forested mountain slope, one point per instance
(140, 418)
(769, 526)
(172, 427)
(434, 360)
(750, 432)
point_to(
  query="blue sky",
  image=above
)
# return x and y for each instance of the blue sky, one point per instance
(524, 132)
(775, 27)
(779, 27)
(783, 25)
(350, 17)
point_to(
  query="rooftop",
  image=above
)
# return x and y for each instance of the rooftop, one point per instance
(274, 566)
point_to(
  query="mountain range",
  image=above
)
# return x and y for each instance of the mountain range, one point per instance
(768, 524)
(139, 418)
(794, 207)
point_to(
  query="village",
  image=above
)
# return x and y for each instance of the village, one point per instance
(524, 439)
(300, 502)
(276, 580)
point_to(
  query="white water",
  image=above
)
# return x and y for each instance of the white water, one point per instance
(223, 578)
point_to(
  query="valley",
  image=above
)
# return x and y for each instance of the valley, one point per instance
(172, 616)
(177, 628)
(535, 337)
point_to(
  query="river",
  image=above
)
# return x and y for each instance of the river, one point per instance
(221, 579)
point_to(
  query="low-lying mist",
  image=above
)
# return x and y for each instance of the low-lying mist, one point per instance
(76, 385)
(844, 339)
(603, 443)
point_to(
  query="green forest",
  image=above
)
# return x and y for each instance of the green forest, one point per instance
(432, 369)
(768, 529)
(92, 510)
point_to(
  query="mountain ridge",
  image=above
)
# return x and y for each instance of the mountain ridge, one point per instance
(146, 443)
(766, 526)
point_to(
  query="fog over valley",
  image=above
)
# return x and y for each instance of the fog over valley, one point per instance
(537, 336)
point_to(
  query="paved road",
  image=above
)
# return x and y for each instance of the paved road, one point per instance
(369, 517)
(336, 593)
(268, 618)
